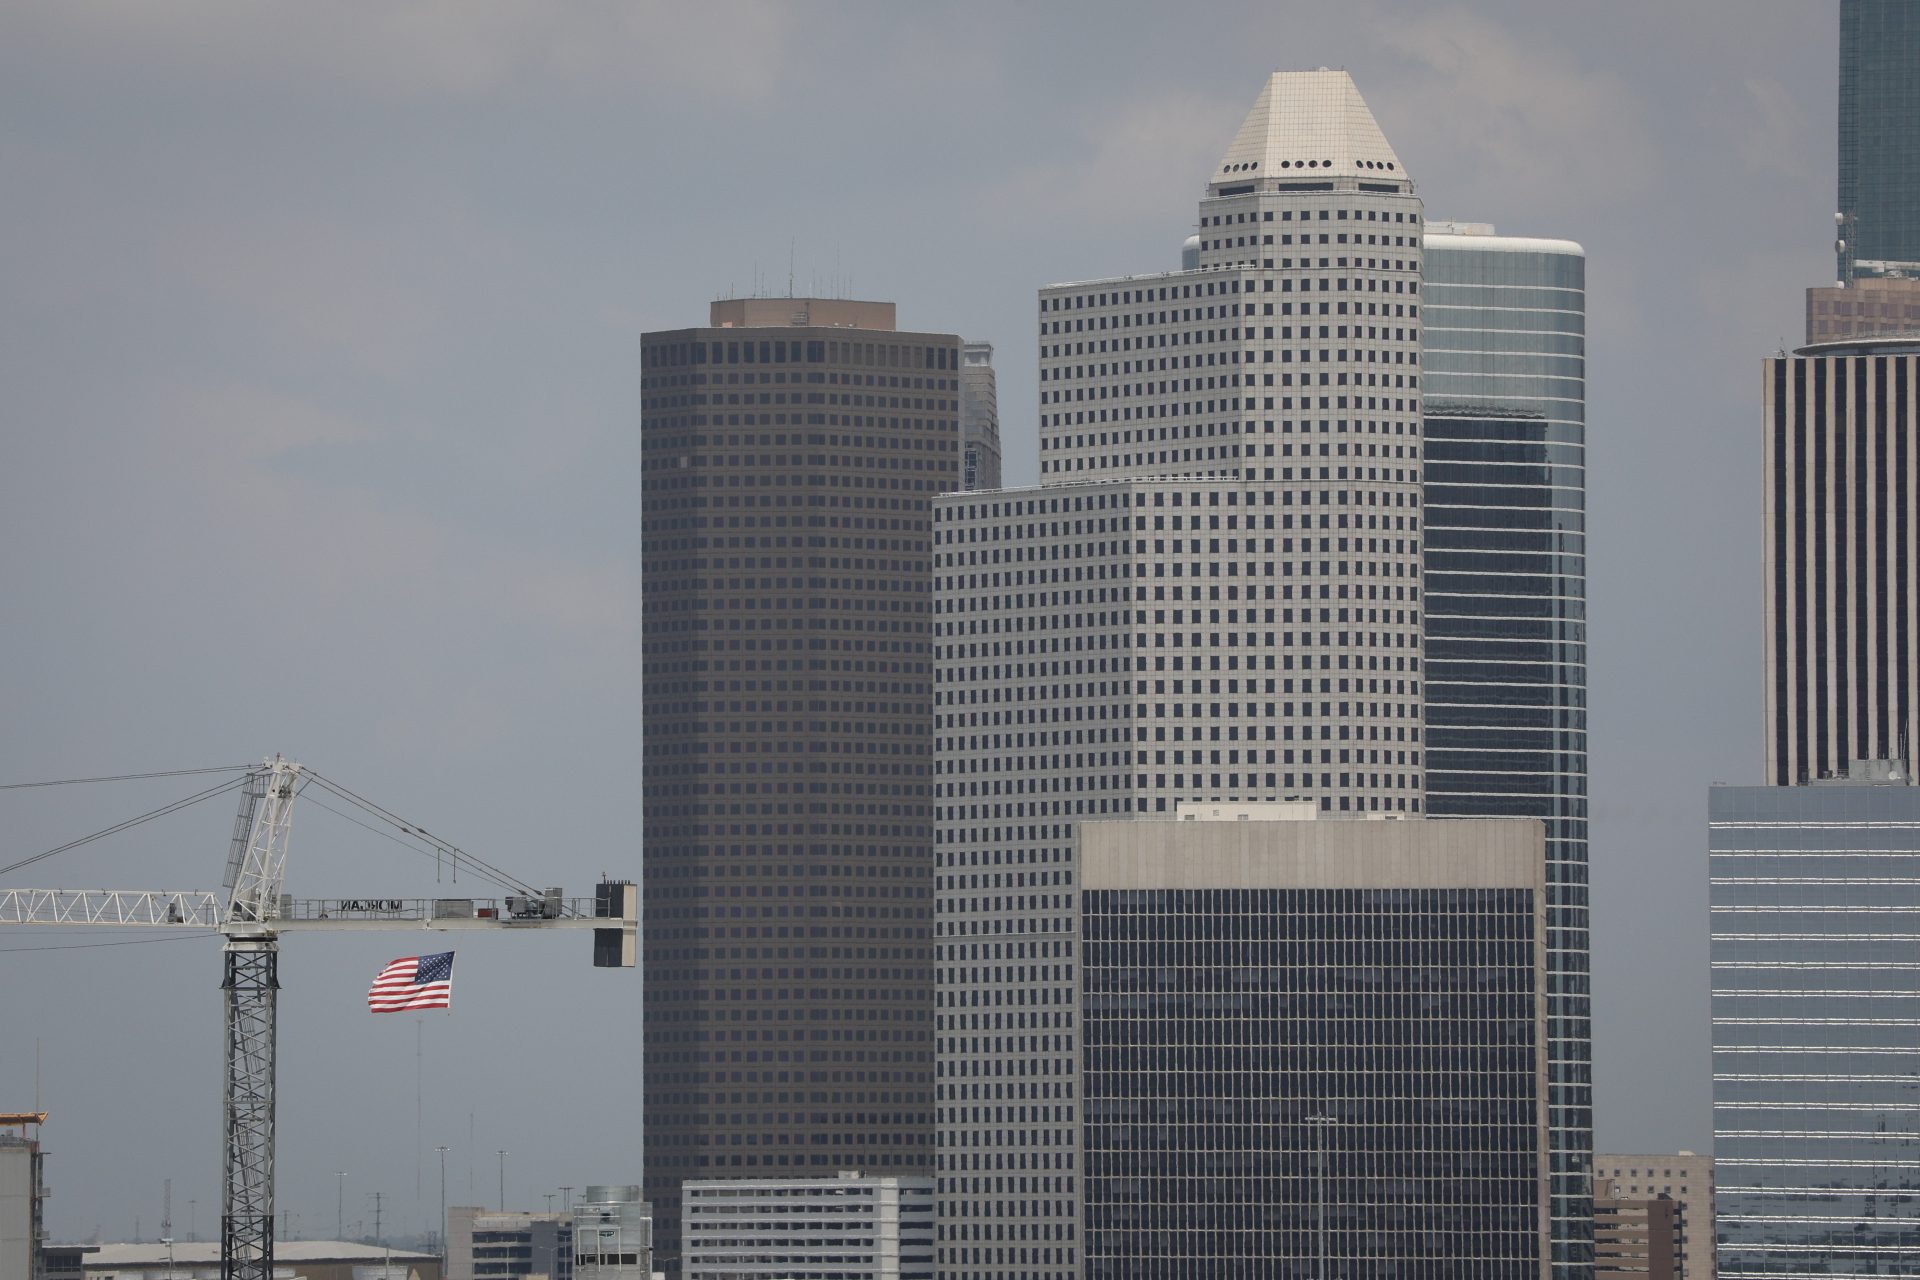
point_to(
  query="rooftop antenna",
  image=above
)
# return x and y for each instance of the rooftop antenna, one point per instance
(790, 266)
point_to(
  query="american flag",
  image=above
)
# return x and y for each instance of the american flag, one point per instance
(413, 982)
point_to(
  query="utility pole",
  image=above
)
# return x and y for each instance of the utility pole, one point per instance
(566, 1199)
(549, 1204)
(376, 1217)
(503, 1178)
(340, 1207)
(193, 1220)
(441, 1230)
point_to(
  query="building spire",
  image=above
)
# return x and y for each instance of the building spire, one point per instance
(1307, 126)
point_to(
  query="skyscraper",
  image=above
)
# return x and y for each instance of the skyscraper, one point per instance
(1879, 134)
(1213, 596)
(979, 418)
(1842, 554)
(1288, 1070)
(790, 452)
(1506, 704)
(1815, 899)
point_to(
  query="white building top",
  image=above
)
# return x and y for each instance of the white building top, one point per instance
(1309, 125)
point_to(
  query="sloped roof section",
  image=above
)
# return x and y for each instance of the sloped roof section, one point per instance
(1309, 125)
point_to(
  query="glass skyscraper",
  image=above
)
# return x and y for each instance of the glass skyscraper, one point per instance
(1505, 574)
(1815, 896)
(1880, 130)
(1313, 1048)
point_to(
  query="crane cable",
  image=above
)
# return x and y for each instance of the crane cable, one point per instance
(414, 829)
(118, 827)
(424, 852)
(124, 777)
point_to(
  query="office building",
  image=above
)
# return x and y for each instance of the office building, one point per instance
(1506, 626)
(1213, 596)
(1682, 1177)
(1635, 1237)
(1815, 900)
(1286, 1067)
(1842, 523)
(1869, 307)
(790, 452)
(853, 1226)
(1879, 135)
(487, 1244)
(612, 1235)
(66, 1261)
(979, 418)
(22, 1190)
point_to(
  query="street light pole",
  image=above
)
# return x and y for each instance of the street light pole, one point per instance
(503, 1178)
(443, 1206)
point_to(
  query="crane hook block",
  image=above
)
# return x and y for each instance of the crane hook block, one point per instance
(618, 903)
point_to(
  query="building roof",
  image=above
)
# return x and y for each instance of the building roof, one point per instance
(1450, 236)
(203, 1252)
(1311, 125)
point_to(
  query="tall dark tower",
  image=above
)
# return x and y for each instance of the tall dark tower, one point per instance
(790, 452)
(1880, 135)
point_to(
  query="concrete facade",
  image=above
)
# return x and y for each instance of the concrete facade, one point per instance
(1871, 307)
(848, 1227)
(979, 418)
(1685, 1178)
(1213, 596)
(1636, 1237)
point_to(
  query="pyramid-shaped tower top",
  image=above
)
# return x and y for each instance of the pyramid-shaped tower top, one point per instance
(1308, 126)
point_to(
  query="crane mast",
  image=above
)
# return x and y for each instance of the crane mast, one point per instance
(252, 913)
(256, 868)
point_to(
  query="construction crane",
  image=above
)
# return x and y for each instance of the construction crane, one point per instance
(253, 912)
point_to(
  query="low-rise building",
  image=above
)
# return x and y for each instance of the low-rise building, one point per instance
(1635, 1238)
(612, 1235)
(485, 1244)
(292, 1260)
(1684, 1177)
(850, 1227)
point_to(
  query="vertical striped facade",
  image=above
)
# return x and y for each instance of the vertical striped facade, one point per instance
(1842, 543)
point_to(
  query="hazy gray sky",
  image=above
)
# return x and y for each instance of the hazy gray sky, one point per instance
(318, 358)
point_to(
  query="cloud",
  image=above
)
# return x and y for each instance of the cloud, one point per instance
(1773, 132)
(1126, 165)
(1512, 115)
(433, 48)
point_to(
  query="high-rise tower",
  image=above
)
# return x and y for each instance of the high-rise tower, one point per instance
(1214, 595)
(1506, 617)
(1842, 556)
(1879, 137)
(790, 453)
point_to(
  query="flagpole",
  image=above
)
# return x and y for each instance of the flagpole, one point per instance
(418, 1022)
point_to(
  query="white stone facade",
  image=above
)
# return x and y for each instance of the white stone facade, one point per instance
(1213, 596)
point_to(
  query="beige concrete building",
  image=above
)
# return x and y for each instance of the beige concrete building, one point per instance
(1872, 307)
(1682, 1175)
(1635, 1238)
